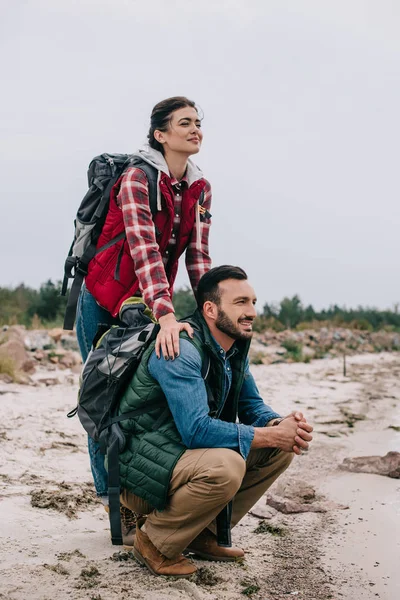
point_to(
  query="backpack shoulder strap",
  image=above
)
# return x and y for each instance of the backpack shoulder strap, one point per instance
(152, 178)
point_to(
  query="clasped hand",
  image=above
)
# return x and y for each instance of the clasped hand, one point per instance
(294, 433)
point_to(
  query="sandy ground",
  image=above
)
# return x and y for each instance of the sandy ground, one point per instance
(64, 551)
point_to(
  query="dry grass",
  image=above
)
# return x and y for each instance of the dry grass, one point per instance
(7, 366)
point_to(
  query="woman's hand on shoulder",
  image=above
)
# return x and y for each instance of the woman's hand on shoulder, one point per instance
(167, 341)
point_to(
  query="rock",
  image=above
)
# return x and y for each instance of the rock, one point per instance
(296, 490)
(38, 340)
(287, 506)
(29, 366)
(69, 342)
(297, 496)
(388, 465)
(308, 352)
(70, 359)
(5, 378)
(49, 381)
(23, 379)
(53, 359)
(56, 333)
(279, 350)
(14, 350)
(262, 511)
(39, 355)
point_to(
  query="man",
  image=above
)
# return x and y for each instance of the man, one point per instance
(205, 436)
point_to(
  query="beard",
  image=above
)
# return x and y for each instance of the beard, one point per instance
(227, 326)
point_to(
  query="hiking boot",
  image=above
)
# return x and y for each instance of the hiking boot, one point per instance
(128, 525)
(147, 554)
(205, 546)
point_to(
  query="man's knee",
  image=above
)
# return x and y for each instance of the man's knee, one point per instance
(284, 459)
(227, 469)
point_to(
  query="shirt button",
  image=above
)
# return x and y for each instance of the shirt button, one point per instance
(177, 214)
(228, 368)
(221, 351)
(173, 235)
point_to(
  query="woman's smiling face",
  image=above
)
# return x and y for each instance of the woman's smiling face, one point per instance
(184, 133)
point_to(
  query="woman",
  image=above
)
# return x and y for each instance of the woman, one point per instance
(145, 262)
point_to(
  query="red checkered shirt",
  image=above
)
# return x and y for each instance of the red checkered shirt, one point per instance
(133, 198)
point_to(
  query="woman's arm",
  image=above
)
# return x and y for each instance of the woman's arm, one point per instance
(197, 257)
(133, 199)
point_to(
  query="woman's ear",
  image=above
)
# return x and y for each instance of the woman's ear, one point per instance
(159, 136)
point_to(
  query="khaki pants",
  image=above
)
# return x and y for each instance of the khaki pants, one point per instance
(203, 482)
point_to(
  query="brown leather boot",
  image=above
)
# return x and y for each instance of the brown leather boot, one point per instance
(147, 554)
(128, 525)
(205, 546)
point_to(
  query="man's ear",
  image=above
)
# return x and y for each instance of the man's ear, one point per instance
(210, 310)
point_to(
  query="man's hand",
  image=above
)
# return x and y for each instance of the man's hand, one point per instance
(303, 431)
(292, 434)
(168, 337)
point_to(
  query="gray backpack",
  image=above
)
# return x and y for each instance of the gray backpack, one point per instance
(103, 173)
(109, 368)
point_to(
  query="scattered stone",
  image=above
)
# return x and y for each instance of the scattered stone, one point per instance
(37, 340)
(69, 342)
(262, 511)
(394, 427)
(287, 507)
(6, 378)
(70, 359)
(56, 334)
(388, 465)
(14, 350)
(298, 497)
(47, 381)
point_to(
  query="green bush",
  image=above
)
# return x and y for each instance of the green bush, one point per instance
(294, 349)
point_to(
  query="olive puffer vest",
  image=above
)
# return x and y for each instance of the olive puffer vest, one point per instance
(153, 444)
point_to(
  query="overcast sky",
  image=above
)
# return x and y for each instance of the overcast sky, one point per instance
(301, 131)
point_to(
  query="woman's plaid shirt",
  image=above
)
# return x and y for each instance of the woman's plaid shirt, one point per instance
(150, 266)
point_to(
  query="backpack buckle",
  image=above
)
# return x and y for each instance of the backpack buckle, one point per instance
(81, 268)
(70, 264)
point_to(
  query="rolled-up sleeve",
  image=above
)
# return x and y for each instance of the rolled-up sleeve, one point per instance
(252, 409)
(133, 199)
(185, 390)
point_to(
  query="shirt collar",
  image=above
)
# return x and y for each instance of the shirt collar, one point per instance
(178, 184)
(225, 355)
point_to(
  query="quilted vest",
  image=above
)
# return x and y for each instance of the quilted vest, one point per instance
(153, 444)
(111, 274)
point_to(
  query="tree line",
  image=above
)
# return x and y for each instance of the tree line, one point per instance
(45, 306)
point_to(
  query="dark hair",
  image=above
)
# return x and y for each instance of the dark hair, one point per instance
(161, 117)
(208, 288)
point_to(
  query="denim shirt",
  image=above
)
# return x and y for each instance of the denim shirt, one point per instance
(186, 394)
